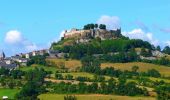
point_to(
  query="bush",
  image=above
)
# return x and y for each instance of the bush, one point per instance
(70, 97)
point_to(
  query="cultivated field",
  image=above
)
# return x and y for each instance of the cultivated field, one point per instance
(164, 70)
(71, 64)
(92, 97)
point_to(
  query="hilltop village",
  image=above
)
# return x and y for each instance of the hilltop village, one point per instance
(19, 59)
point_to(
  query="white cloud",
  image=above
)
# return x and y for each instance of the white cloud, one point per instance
(62, 34)
(112, 22)
(140, 34)
(17, 42)
(13, 37)
(167, 43)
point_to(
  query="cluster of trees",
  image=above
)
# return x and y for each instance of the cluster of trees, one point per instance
(34, 85)
(161, 61)
(38, 59)
(146, 53)
(121, 88)
(7, 78)
(92, 26)
(166, 50)
(92, 65)
(103, 47)
(163, 92)
(61, 77)
(121, 57)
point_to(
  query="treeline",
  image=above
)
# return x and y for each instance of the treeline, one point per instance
(120, 88)
(92, 26)
(161, 61)
(97, 46)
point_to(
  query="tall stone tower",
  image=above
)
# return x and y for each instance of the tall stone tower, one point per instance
(2, 55)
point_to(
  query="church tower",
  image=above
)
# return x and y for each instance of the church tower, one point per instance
(2, 55)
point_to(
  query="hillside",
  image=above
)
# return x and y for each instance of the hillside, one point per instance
(73, 64)
(92, 62)
(117, 49)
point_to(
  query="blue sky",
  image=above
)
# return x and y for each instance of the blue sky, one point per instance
(34, 24)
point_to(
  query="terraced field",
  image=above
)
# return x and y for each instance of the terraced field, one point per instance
(164, 70)
(72, 64)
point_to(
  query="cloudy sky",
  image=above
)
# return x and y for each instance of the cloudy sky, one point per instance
(27, 25)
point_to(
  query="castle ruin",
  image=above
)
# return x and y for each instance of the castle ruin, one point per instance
(91, 33)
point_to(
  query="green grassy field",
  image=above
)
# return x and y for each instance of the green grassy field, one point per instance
(8, 92)
(81, 74)
(92, 97)
(52, 69)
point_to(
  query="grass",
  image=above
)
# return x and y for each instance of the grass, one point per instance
(164, 70)
(46, 68)
(159, 79)
(92, 97)
(53, 69)
(83, 74)
(8, 92)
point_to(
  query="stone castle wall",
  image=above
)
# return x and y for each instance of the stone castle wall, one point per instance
(86, 34)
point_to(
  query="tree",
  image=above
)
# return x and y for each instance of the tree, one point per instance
(146, 53)
(102, 26)
(96, 26)
(158, 48)
(163, 92)
(153, 73)
(90, 64)
(69, 77)
(135, 69)
(58, 76)
(104, 88)
(11, 84)
(4, 71)
(132, 89)
(39, 59)
(166, 50)
(34, 85)
(17, 74)
(30, 91)
(122, 79)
